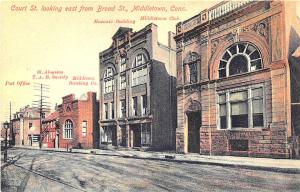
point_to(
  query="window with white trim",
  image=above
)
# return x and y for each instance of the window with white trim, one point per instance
(139, 76)
(139, 71)
(139, 60)
(240, 58)
(108, 81)
(122, 81)
(243, 108)
(122, 64)
(84, 128)
(68, 128)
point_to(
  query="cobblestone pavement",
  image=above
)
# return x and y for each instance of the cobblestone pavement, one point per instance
(34, 170)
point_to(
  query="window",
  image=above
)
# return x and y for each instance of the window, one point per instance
(68, 127)
(30, 125)
(190, 66)
(123, 108)
(144, 104)
(241, 108)
(107, 135)
(257, 103)
(122, 64)
(105, 110)
(122, 82)
(84, 127)
(139, 76)
(109, 80)
(134, 106)
(112, 107)
(145, 135)
(139, 60)
(240, 58)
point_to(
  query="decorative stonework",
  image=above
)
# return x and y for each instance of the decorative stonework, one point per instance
(214, 45)
(192, 105)
(261, 28)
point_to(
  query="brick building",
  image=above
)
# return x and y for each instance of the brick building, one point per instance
(26, 126)
(237, 80)
(138, 91)
(78, 121)
(50, 131)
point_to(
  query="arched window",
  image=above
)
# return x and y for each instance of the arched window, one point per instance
(240, 58)
(139, 71)
(190, 68)
(109, 80)
(68, 127)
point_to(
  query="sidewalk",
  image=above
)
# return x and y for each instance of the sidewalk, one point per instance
(276, 165)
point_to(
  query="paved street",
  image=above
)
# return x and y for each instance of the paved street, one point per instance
(33, 170)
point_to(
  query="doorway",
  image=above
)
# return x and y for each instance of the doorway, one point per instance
(194, 124)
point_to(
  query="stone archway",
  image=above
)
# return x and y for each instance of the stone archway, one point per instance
(194, 122)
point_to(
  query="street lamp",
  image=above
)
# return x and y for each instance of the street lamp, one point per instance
(6, 126)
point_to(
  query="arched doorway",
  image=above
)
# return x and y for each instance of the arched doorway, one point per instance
(194, 123)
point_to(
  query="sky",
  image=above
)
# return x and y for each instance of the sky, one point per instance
(35, 39)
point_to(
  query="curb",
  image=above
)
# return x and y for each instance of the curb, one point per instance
(232, 165)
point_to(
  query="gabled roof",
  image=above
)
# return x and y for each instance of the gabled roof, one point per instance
(122, 30)
(52, 116)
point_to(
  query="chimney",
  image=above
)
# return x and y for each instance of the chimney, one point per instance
(171, 41)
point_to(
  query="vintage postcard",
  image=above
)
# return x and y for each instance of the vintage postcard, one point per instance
(150, 95)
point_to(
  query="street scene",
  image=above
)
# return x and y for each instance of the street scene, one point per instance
(146, 96)
(35, 170)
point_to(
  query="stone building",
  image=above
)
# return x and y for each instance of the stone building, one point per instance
(26, 126)
(78, 121)
(237, 80)
(138, 91)
(50, 131)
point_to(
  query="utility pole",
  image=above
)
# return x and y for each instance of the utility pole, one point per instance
(42, 105)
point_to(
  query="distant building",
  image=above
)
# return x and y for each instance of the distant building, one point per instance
(50, 131)
(137, 91)
(26, 126)
(78, 121)
(237, 80)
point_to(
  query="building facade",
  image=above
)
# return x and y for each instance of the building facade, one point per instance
(26, 126)
(138, 91)
(50, 131)
(78, 121)
(234, 87)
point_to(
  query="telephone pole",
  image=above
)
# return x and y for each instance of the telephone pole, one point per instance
(42, 104)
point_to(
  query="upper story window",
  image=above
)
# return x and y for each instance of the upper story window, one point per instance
(139, 76)
(190, 68)
(112, 108)
(122, 81)
(139, 60)
(105, 110)
(123, 108)
(68, 127)
(109, 80)
(241, 108)
(144, 104)
(134, 106)
(122, 64)
(240, 58)
(84, 128)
